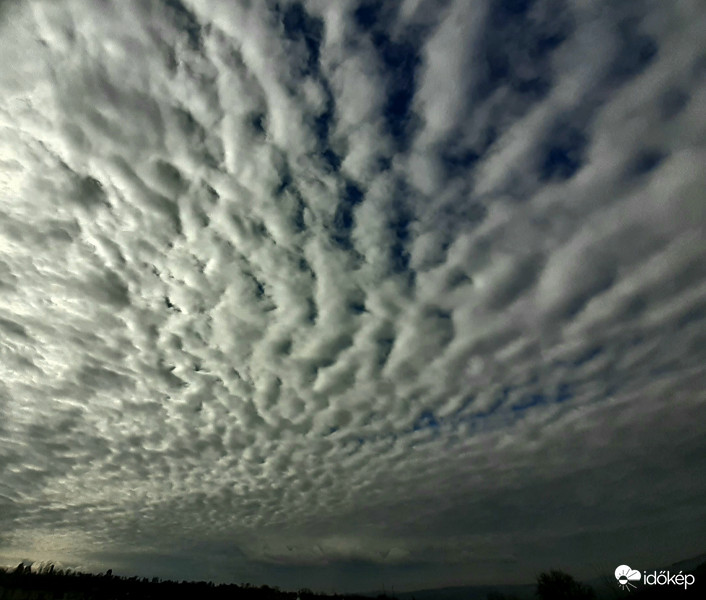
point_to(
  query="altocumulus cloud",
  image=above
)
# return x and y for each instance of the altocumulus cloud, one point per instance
(342, 293)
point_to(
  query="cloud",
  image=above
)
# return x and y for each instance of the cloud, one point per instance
(329, 290)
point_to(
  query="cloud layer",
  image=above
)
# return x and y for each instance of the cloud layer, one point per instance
(331, 293)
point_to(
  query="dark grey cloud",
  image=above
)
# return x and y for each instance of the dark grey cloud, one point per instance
(341, 294)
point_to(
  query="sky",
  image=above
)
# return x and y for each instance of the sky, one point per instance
(352, 294)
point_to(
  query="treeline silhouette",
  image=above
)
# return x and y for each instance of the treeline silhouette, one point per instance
(51, 583)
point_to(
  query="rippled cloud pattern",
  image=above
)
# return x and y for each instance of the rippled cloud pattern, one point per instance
(343, 293)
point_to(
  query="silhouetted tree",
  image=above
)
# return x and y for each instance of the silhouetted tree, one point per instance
(557, 585)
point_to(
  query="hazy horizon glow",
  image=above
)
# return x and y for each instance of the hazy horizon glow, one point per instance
(351, 294)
